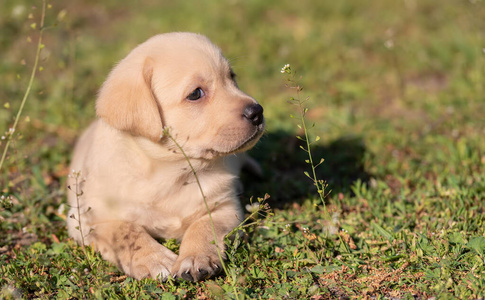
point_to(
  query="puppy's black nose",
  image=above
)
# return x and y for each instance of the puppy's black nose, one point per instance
(254, 113)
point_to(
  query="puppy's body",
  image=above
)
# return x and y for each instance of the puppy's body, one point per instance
(138, 185)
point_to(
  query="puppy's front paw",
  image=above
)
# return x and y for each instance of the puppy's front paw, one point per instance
(197, 267)
(156, 265)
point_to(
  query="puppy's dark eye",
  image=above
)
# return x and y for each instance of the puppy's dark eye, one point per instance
(196, 94)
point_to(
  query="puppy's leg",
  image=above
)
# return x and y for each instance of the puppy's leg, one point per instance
(198, 258)
(132, 249)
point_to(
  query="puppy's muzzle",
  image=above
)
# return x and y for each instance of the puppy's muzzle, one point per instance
(254, 114)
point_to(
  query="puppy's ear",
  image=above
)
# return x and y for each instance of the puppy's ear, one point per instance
(126, 100)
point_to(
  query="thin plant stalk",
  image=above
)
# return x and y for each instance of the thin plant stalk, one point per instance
(167, 133)
(302, 110)
(320, 184)
(79, 192)
(29, 86)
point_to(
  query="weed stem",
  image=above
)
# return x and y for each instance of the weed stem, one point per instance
(320, 184)
(167, 133)
(29, 86)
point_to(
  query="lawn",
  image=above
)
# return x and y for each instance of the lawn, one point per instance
(395, 95)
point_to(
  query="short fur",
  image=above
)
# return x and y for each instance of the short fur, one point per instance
(138, 185)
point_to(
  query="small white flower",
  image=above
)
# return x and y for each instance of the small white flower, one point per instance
(285, 69)
(75, 174)
(252, 207)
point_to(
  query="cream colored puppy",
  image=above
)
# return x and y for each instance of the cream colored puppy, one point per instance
(138, 186)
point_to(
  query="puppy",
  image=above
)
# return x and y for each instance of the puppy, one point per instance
(137, 185)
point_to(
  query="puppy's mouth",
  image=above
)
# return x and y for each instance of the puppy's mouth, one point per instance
(246, 144)
(251, 141)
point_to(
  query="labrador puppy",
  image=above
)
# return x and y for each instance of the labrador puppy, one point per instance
(137, 185)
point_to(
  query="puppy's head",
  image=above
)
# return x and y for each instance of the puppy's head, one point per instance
(181, 81)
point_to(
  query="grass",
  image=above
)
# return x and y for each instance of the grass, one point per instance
(396, 92)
